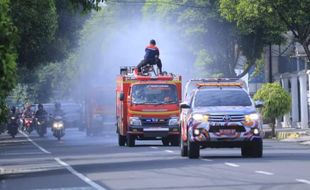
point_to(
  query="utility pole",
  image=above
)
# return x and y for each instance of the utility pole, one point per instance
(270, 63)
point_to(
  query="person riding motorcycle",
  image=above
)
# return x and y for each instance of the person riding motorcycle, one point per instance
(14, 113)
(28, 113)
(58, 111)
(41, 113)
(151, 57)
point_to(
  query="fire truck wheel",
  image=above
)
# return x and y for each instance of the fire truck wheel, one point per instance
(165, 141)
(130, 140)
(121, 140)
(175, 141)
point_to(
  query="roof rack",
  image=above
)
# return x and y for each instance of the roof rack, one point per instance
(236, 84)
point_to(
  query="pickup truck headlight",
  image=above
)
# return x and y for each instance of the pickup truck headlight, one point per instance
(134, 121)
(200, 117)
(174, 121)
(251, 117)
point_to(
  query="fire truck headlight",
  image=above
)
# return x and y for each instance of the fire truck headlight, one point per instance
(174, 121)
(134, 121)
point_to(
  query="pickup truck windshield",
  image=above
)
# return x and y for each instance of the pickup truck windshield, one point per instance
(154, 94)
(205, 98)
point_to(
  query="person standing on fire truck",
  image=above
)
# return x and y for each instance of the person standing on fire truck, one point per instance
(151, 57)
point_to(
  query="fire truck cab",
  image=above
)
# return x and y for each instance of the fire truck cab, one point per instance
(147, 107)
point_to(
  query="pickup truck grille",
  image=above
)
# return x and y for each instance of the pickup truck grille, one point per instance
(226, 118)
(154, 122)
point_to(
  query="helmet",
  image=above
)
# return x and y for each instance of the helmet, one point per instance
(153, 42)
(40, 106)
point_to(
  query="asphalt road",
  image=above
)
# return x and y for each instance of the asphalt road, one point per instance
(79, 162)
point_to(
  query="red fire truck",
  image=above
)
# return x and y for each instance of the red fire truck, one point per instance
(147, 107)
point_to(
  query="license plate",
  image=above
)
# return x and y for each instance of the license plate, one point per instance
(227, 131)
(155, 129)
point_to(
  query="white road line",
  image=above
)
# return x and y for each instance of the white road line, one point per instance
(206, 160)
(34, 143)
(154, 147)
(79, 175)
(264, 172)
(169, 151)
(1, 171)
(231, 164)
(303, 181)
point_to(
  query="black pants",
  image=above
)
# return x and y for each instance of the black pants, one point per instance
(151, 62)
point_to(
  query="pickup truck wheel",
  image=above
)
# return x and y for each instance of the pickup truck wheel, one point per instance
(130, 140)
(245, 151)
(175, 140)
(257, 149)
(165, 141)
(193, 149)
(183, 148)
(254, 149)
(121, 140)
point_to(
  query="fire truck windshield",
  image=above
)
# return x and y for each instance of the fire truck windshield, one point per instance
(154, 94)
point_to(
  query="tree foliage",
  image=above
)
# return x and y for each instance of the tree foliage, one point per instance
(8, 37)
(212, 35)
(275, 15)
(37, 24)
(277, 101)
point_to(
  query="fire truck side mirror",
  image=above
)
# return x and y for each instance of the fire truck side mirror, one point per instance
(121, 96)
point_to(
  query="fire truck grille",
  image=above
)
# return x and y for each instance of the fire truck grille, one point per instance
(154, 122)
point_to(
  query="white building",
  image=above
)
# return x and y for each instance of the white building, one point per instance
(290, 68)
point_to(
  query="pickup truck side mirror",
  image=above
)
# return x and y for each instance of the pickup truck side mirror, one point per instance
(121, 96)
(184, 105)
(259, 104)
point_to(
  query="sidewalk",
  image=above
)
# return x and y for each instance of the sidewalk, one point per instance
(301, 136)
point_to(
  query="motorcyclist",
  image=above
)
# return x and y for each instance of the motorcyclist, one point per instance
(14, 112)
(41, 113)
(58, 111)
(151, 57)
(28, 113)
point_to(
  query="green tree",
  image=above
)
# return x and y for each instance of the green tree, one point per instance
(276, 15)
(277, 102)
(211, 36)
(37, 24)
(8, 37)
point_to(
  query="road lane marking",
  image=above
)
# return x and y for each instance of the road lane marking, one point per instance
(169, 151)
(231, 164)
(34, 143)
(1, 171)
(206, 160)
(154, 147)
(264, 172)
(79, 175)
(303, 181)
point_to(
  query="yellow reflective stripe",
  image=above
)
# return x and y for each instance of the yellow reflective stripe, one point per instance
(153, 113)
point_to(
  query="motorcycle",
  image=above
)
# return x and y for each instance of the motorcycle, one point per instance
(58, 127)
(41, 126)
(28, 124)
(13, 126)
